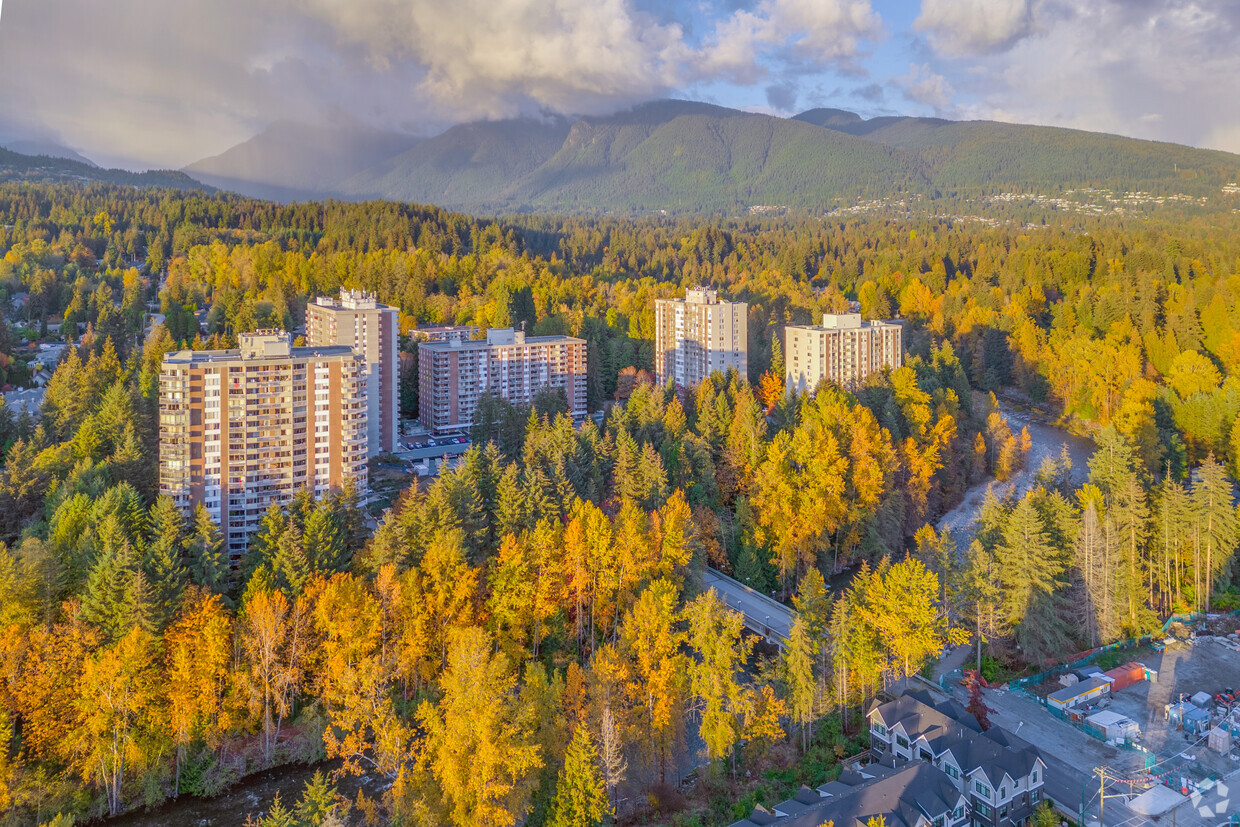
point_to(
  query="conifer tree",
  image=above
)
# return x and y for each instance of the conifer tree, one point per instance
(798, 665)
(716, 635)
(580, 793)
(208, 567)
(1216, 521)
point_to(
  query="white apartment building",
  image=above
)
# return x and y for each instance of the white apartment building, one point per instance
(698, 335)
(452, 374)
(242, 429)
(843, 349)
(357, 320)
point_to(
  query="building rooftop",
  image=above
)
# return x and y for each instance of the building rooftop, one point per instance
(498, 337)
(351, 300)
(903, 799)
(846, 321)
(258, 346)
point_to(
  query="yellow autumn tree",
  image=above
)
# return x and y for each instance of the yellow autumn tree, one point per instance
(117, 700)
(197, 662)
(354, 681)
(479, 741)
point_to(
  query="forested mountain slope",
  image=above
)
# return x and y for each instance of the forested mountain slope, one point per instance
(44, 169)
(992, 156)
(470, 166)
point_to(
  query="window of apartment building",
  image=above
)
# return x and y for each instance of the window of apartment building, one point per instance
(981, 809)
(1033, 777)
(958, 813)
(939, 821)
(927, 755)
(1035, 796)
(951, 771)
(877, 728)
(902, 741)
(981, 789)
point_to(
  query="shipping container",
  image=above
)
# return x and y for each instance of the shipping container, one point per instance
(1126, 675)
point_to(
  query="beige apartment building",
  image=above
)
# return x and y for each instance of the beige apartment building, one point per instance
(242, 429)
(357, 320)
(698, 335)
(452, 374)
(843, 349)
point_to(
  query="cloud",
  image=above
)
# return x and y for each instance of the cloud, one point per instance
(782, 96)
(971, 27)
(152, 81)
(922, 85)
(1158, 69)
(872, 92)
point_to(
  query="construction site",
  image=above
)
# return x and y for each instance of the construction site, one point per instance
(1158, 733)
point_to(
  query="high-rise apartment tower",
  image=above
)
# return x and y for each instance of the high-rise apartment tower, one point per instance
(242, 429)
(843, 349)
(698, 335)
(356, 319)
(453, 374)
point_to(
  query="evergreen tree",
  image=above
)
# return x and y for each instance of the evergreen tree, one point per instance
(323, 542)
(208, 566)
(580, 793)
(1216, 522)
(798, 665)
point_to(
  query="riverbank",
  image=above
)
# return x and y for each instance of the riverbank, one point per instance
(251, 796)
(1046, 442)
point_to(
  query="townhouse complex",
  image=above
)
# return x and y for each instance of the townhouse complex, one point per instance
(930, 765)
(454, 373)
(698, 335)
(242, 429)
(843, 349)
(357, 320)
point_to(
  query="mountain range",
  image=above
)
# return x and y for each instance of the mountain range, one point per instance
(687, 156)
(677, 156)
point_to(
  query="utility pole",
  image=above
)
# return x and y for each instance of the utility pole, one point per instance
(1104, 774)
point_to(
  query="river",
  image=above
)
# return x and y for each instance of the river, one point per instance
(253, 795)
(1047, 442)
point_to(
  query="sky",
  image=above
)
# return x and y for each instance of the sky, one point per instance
(142, 83)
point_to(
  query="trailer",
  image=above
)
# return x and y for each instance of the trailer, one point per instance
(1079, 693)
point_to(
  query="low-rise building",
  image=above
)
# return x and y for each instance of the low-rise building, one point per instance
(920, 795)
(453, 374)
(843, 349)
(1003, 778)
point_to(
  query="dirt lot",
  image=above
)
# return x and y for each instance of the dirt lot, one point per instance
(1204, 667)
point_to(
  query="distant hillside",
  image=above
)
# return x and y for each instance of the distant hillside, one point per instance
(672, 155)
(470, 166)
(49, 148)
(288, 161)
(964, 155)
(17, 167)
(682, 156)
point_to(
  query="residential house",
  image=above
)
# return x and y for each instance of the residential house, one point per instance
(918, 795)
(1002, 777)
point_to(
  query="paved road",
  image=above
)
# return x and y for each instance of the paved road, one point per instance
(763, 615)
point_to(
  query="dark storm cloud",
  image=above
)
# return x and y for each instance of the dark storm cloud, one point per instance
(154, 81)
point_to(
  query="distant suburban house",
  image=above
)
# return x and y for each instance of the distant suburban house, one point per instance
(29, 400)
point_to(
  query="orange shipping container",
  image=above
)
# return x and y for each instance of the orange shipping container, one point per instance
(1126, 675)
